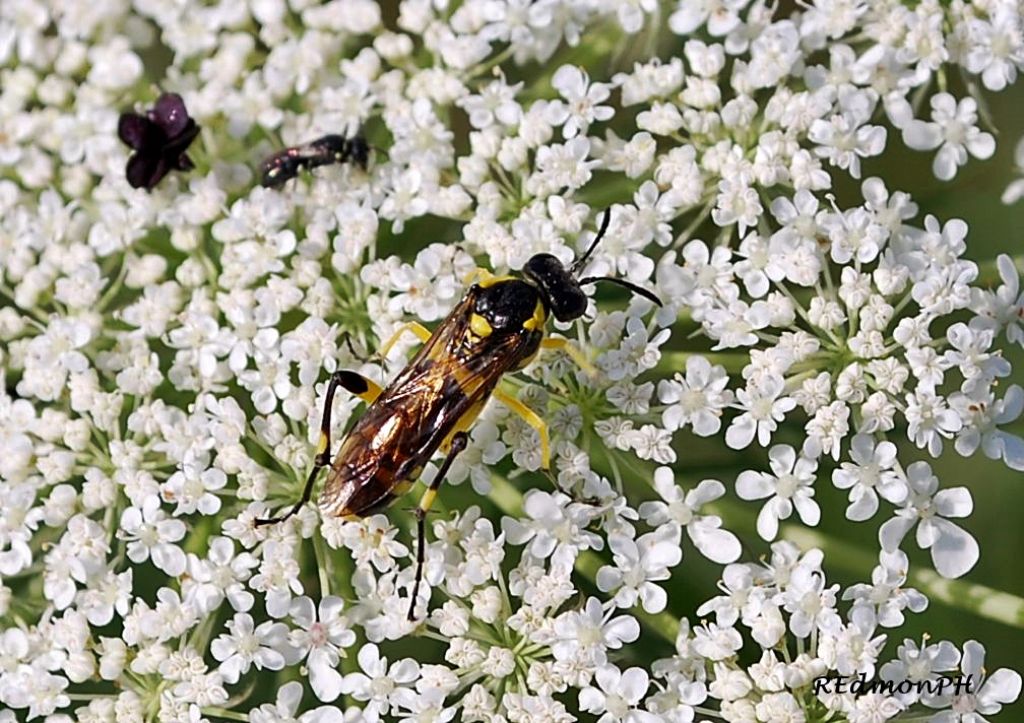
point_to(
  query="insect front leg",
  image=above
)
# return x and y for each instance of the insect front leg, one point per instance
(533, 419)
(415, 327)
(574, 352)
(458, 443)
(356, 384)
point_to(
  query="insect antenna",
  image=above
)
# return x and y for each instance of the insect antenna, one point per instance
(623, 283)
(582, 260)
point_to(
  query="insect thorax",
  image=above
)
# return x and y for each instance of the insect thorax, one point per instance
(510, 305)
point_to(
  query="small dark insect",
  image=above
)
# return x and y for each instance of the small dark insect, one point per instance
(498, 327)
(285, 165)
(159, 138)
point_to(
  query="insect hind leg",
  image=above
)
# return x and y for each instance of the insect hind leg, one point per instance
(458, 443)
(352, 382)
(355, 383)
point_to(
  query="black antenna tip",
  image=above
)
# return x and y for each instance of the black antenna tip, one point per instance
(601, 231)
(639, 290)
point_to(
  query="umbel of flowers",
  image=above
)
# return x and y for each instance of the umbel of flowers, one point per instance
(167, 325)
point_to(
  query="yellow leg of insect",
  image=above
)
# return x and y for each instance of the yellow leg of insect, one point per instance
(415, 327)
(356, 384)
(574, 352)
(458, 443)
(530, 417)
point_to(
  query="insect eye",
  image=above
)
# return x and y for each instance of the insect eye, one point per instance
(568, 302)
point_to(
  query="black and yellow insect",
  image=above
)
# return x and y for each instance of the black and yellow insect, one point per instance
(498, 327)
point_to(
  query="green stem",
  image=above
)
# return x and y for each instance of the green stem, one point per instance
(225, 714)
(983, 601)
(675, 361)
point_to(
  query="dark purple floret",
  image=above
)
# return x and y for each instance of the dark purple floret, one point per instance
(159, 139)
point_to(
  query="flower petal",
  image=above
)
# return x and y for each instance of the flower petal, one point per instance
(170, 114)
(955, 551)
(137, 131)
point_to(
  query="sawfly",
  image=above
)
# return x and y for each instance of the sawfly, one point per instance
(285, 165)
(498, 327)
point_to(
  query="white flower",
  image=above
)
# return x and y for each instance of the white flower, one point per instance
(587, 635)
(696, 399)
(997, 50)
(219, 576)
(380, 684)
(557, 528)
(246, 645)
(617, 695)
(560, 166)
(193, 489)
(953, 131)
(639, 564)
(682, 508)
(845, 138)
(1003, 308)
(871, 474)
(778, 707)
(763, 408)
(791, 485)
(827, 429)
(920, 663)
(582, 105)
(322, 635)
(929, 420)
(953, 550)
(721, 16)
(988, 692)
(810, 603)
(982, 414)
(150, 534)
(887, 595)
(741, 596)
(716, 642)
(38, 690)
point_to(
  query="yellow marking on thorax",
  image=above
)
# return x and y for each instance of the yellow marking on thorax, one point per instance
(536, 322)
(480, 326)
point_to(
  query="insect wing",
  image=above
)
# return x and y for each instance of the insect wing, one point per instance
(446, 384)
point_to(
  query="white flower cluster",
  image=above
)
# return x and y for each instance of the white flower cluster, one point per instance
(164, 349)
